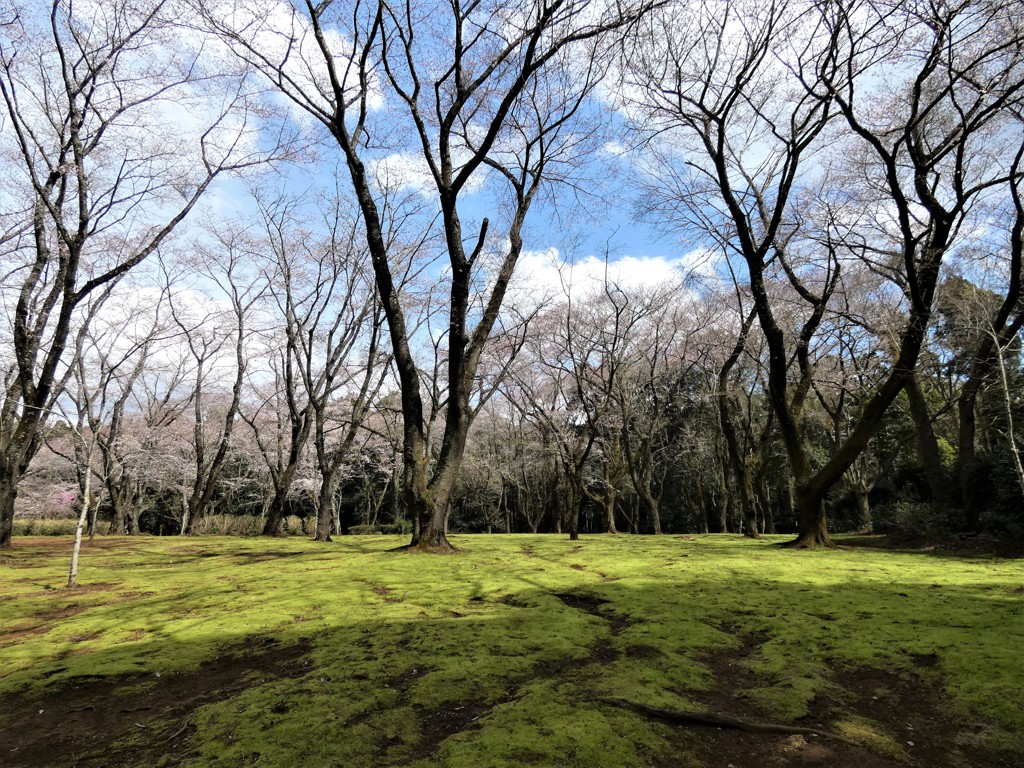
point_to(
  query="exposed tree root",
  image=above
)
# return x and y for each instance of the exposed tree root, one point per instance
(722, 721)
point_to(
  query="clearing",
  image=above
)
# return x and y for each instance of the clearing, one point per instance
(250, 652)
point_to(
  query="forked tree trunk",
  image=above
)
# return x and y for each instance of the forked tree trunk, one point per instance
(813, 527)
(430, 506)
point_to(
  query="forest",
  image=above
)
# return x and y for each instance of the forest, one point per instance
(331, 269)
(301, 299)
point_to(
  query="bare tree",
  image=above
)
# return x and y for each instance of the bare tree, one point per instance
(217, 341)
(755, 97)
(100, 180)
(1000, 328)
(498, 90)
(326, 313)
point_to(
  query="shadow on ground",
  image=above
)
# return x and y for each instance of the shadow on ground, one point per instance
(509, 672)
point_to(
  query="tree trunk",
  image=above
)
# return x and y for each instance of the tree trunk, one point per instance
(186, 516)
(656, 518)
(117, 505)
(8, 493)
(82, 518)
(702, 505)
(574, 509)
(928, 449)
(275, 513)
(609, 509)
(813, 527)
(431, 506)
(133, 516)
(968, 456)
(325, 511)
(723, 501)
(434, 535)
(769, 520)
(863, 507)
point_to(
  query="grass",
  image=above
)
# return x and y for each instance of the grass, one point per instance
(474, 659)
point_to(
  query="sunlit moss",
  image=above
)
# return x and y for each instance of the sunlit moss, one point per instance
(870, 735)
(395, 638)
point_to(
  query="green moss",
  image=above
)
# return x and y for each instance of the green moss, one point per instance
(868, 734)
(474, 660)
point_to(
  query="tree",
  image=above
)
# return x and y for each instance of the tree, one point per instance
(755, 97)
(661, 353)
(496, 89)
(999, 328)
(331, 360)
(95, 176)
(216, 340)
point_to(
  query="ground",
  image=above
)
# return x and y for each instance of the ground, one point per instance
(251, 652)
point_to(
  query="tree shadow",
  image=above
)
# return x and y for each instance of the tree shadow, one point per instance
(511, 669)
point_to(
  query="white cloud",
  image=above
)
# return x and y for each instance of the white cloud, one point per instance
(409, 171)
(285, 40)
(544, 277)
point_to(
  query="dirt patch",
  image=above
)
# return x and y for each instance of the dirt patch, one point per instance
(732, 678)
(387, 594)
(904, 706)
(593, 605)
(19, 632)
(438, 725)
(914, 710)
(47, 618)
(513, 600)
(582, 602)
(131, 721)
(643, 652)
(601, 653)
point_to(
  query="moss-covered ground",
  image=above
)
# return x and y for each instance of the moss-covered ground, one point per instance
(498, 655)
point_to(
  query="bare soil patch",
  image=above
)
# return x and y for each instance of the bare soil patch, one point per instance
(438, 725)
(593, 605)
(910, 708)
(94, 723)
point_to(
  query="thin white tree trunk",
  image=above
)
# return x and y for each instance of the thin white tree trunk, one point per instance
(83, 517)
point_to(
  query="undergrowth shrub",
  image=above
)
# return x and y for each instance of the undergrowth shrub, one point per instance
(911, 518)
(296, 526)
(44, 527)
(387, 529)
(229, 525)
